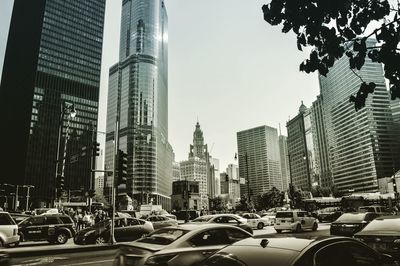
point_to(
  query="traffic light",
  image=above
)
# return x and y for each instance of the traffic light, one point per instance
(92, 193)
(60, 182)
(96, 148)
(122, 167)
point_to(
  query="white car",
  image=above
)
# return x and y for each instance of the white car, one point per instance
(8, 230)
(256, 221)
(295, 221)
(269, 217)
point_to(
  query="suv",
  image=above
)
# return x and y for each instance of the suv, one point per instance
(294, 221)
(55, 228)
(8, 230)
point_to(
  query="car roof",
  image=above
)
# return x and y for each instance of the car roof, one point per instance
(205, 226)
(388, 217)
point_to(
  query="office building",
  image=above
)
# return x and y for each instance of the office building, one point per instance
(361, 144)
(138, 103)
(176, 171)
(283, 152)
(259, 161)
(195, 169)
(51, 69)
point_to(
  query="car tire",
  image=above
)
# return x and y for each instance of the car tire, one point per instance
(298, 228)
(61, 238)
(100, 240)
(315, 227)
(260, 225)
(278, 231)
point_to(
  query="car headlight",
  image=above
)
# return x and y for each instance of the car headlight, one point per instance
(89, 233)
(159, 259)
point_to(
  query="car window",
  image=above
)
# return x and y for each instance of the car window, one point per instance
(235, 235)
(163, 236)
(5, 219)
(39, 220)
(351, 254)
(284, 215)
(132, 222)
(247, 216)
(66, 219)
(210, 238)
(301, 214)
(52, 220)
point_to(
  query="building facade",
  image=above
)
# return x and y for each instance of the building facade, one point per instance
(361, 143)
(283, 152)
(185, 195)
(259, 160)
(138, 103)
(52, 61)
(299, 148)
(176, 171)
(195, 169)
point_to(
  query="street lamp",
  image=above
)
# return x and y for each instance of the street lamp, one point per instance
(247, 175)
(69, 109)
(27, 195)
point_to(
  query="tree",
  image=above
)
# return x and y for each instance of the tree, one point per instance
(217, 204)
(295, 196)
(333, 28)
(243, 204)
(320, 191)
(270, 199)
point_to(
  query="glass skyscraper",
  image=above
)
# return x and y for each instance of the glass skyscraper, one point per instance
(53, 58)
(361, 144)
(138, 99)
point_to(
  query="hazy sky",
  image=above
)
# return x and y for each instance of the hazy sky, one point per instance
(227, 67)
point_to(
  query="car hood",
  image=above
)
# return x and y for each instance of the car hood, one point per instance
(140, 247)
(84, 231)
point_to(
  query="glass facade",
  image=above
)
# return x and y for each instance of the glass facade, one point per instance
(259, 160)
(64, 69)
(361, 144)
(138, 97)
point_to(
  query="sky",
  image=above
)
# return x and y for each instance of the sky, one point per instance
(227, 68)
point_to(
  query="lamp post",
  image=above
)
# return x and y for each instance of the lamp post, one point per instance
(247, 175)
(69, 109)
(27, 195)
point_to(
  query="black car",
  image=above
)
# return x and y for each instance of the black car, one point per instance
(126, 229)
(328, 215)
(54, 228)
(383, 235)
(323, 251)
(350, 223)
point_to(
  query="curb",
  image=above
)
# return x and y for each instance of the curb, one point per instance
(31, 253)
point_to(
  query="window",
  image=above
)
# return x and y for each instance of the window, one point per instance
(66, 219)
(5, 219)
(132, 222)
(301, 214)
(235, 235)
(52, 220)
(39, 220)
(210, 238)
(351, 254)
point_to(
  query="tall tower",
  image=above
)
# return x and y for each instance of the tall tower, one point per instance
(198, 148)
(361, 144)
(52, 60)
(259, 160)
(138, 103)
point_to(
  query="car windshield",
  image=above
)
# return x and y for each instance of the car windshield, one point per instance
(163, 236)
(383, 225)
(284, 215)
(351, 217)
(202, 219)
(102, 224)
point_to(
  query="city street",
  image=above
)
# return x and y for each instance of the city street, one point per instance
(105, 257)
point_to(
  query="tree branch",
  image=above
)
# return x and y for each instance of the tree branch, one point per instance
(357, 75)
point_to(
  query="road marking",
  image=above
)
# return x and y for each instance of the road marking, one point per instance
(87, 263)
(45, 260)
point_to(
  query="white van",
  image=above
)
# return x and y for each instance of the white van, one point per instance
(8, 231)
(294, 221)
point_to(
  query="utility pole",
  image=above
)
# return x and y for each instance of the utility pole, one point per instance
(113, 192)
(16, 198)
(27, 195)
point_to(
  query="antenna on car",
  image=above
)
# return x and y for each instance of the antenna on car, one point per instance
(264, 243)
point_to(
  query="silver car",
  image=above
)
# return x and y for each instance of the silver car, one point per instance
(8, 231)
(186, 244)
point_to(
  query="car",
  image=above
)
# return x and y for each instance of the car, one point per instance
(19, 217)
(256, 221)
(54, 228)
(328, 215)
(40, 211)
(8, 230)
(322, 251)
(350, 223)
(164, 213)
(160, 221)
(295, 221)
(381, 210)
(230, 219)
(180, 245)
(269, 216)
(126, 229)
(383, 235)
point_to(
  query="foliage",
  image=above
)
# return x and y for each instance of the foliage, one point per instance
(243, 204)
(321, 191)
(337, 27)
(99, 197)
(217, 204)
(295, 196)
(270, 199)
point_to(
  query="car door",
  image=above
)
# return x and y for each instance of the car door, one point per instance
(35, 228)
(119, 229)
(133, 230)
(302, 219)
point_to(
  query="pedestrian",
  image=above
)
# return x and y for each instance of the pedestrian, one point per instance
(80, 221)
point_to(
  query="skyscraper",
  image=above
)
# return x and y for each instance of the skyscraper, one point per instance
(138, 102)
(361, 144)
(52, 63)
(259, 160)
(283, 153)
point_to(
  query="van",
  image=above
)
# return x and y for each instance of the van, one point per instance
(8, 231)
(373, 208)
(295, 221)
